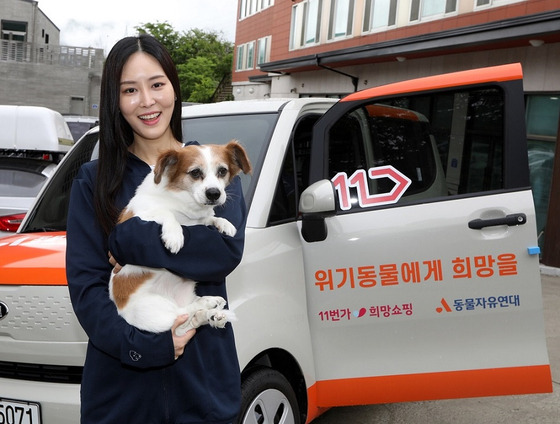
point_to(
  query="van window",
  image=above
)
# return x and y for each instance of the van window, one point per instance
(52, 210)
(378, 135)
(252, 130)
(294, 176)
(446, 144)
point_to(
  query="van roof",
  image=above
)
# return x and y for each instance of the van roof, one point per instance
(235, 107)
(33, 128)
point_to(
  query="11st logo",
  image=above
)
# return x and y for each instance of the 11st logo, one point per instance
(359, 180)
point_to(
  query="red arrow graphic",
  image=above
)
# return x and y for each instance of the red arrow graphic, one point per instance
(359, 179)
(402, 182)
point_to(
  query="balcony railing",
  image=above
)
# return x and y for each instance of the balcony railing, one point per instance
(17, 51)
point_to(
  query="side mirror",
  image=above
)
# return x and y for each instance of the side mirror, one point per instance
(315, 204)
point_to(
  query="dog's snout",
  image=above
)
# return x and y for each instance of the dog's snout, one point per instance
(213, 194)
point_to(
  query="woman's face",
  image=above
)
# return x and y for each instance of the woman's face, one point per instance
(146, 97)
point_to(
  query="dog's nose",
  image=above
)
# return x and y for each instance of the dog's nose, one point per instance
(213, 194)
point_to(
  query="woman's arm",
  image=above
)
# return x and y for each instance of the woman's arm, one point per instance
(88, 271)
(207, 255)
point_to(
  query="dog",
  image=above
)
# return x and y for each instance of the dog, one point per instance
(183, 189)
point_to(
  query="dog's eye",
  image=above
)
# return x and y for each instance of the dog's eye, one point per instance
(222, 172)
(196, 174)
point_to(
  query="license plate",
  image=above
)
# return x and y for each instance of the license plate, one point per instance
(19, 412)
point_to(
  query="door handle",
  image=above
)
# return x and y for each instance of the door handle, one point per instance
(509, 220)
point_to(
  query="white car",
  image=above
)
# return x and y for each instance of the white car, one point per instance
(391, 255)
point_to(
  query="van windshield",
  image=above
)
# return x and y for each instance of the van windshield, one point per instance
(253, 131)
(51, 210)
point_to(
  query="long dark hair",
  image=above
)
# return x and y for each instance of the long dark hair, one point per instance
(115, 134)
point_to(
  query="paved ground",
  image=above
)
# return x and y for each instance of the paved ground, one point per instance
(527, 409)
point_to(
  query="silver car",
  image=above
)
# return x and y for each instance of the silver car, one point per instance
(21, 180)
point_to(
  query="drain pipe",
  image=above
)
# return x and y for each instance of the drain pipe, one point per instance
(354, 79)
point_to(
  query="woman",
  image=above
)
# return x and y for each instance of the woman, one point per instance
(132, 376)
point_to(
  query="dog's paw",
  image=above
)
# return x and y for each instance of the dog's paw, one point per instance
(212, 302)
(219, 318)
(172, 238)
(224, 226)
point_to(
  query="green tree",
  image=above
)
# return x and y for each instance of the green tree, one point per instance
(203, 59)
(165, 34)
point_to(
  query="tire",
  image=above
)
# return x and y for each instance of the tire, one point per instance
(268, 398)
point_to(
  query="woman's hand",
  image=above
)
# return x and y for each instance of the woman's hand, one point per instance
(179, 342)
(116, 266)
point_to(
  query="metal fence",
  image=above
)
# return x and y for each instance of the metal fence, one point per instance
(17, 51)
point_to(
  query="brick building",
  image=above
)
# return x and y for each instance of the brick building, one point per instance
(36, 70)
(297, 48)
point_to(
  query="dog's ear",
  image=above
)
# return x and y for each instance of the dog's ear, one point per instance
(239, 158)
(165, 161)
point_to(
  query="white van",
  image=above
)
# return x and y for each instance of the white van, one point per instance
(390, 255)
(33, 129)
(32, 141)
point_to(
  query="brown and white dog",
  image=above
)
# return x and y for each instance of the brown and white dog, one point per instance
(183, 189)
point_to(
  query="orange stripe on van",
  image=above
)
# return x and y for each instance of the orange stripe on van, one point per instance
(33, 259)
(428, 386)
(456, 79)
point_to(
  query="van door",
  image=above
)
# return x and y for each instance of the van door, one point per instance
(424, 281)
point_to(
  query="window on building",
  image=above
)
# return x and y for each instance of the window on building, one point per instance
(312, 21)
(428, 9)
(15, 34)
(240, 56)
(263, 50)
(379, 14)
(14, 31)
(341, 18)
(245, 8)
(250, 55)
(295, 26)
(250, 7)
(245, 57)
(306, 23)
(491, 3)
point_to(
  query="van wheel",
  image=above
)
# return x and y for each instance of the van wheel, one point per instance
(268, 398)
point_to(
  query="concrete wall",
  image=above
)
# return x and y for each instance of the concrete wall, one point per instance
(64, 78)
(52, 86)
